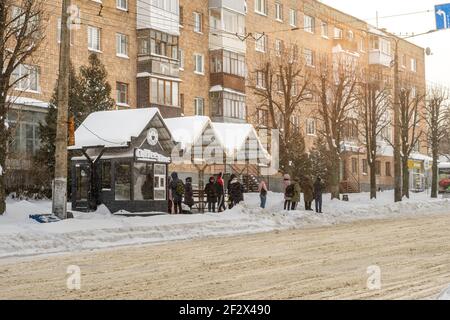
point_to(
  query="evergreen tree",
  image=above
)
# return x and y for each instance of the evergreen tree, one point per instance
(297, 161)
(320, 161)
(96, 91)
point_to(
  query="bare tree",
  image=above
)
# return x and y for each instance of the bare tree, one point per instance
(281, 82)
(410, 129)
(436, 118)
(21, 33)
(373, 112)
(335, 84)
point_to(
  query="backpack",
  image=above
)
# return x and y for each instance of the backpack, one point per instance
(290, 190)
(179, 189)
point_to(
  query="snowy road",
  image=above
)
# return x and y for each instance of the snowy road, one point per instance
(324, 263)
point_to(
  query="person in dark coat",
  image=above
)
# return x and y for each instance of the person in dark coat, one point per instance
(220, 184)
(235, 191)
(308, 192)
(188, 193)
(318, 190)
(211, 194)
(177, 188)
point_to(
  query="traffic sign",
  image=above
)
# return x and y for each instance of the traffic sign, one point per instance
(442, 16)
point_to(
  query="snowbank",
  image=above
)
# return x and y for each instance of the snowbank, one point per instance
(21, 236)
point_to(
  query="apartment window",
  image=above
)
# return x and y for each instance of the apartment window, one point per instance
(338, 33)
(228, 62)
(232, 22)
(181, 58)
(199, 66)
(234, 106)
(260, 80)
(361, 45)
(164, 92)
(404, 61)
(122, 45)
(122, 94)
(365, 166)
(378, 168)
(295, 121)
(263, 117)
(25, 137)
(308, 23)
(181, 16)
(261, 6)
(122, 5)
(324, 29)
(278, 47)
(29, 76)
(350, 35)
(388, 169)
(199, 106)
(413, 65)
(293, 17)
(94, 38)
(309, 57)
(198, 22)
(311, 127)
(261, 42)
(159, 43)
(354, 166)
(278, 11)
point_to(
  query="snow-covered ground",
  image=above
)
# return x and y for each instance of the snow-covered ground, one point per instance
(21, 236)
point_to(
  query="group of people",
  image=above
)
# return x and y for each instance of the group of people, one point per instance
(214, 191)
(311, 191)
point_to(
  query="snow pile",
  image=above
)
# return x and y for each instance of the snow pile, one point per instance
(21, 236)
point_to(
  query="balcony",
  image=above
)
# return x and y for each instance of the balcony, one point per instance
(377, 57)
(346, 44)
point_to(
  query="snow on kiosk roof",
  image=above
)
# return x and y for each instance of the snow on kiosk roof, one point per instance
(112, 129)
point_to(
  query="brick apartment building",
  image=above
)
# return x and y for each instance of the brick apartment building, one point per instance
(195, 57)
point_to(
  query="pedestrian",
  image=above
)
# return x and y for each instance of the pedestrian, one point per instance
(170, 202)
(177, 187)
(262, 189)
(308, 192)
(287, 195)
(235, 191)
(220, 193)
(296, 196)
(189, 194)
(318, 190)
(211, 194)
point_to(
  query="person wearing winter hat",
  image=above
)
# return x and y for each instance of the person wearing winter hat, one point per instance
(211, 194)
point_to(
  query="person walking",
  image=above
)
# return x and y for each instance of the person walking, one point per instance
(188, 194)
(262, 189)
(287, 195)
(296, 196)
(220, 193)
(211, 194)
(318, 190)
(235, 191)
(308, 192)
(177, 188)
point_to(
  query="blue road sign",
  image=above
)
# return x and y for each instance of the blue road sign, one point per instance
(442, 16)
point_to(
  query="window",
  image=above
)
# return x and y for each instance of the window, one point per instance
(199, 106)
(278, 47)
(309, 23)
(361, 45)
(338, 33)
(350, 35)
(122, 186)
(261, 42)
(94, 39)
(311, 127)
(413, 65)
(263, 117)
(309, 57)
(181, 16)
(229, 105)
(260, 80)
(354, 165)
(278, 11)
(143, 181)
(378, 168)
(121, 45)
(228, 62)
(295, 121)
(293, 17)
(26, 135)
(181, 58)
(164, 92)
(261, 6)
(82, 182)
(199, 66)
(106, 175)
(159, 184)
(388, 169)
(404, 61)
(122, 94)
(324, 29)
(160, 44)
(198, 22)
(364, 166)
(29, 78)
(122, 5)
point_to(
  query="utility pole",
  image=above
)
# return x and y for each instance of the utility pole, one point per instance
(397, 155)
(59, 198)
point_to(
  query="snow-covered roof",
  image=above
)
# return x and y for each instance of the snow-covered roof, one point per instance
(187, 130)
(420, 157)
(219, 88)
(28, 102)
(376, 31)
(444, 165)
(112, 128)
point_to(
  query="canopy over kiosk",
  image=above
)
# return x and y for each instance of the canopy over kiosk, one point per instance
(124, 162)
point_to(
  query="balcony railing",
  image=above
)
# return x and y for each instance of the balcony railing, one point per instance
(377, 57)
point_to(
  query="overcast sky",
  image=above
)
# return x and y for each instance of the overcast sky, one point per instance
(437, 65)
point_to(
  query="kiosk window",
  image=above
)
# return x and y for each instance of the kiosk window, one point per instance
(82, 182)
(143, 181)
(106, 175)
(123, 181)
(160, 181)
